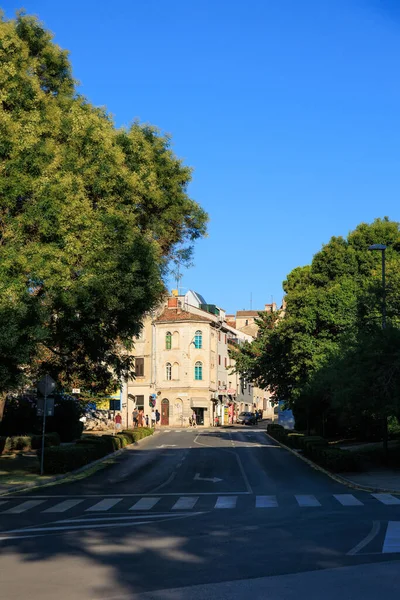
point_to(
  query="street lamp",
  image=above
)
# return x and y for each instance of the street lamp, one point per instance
(382, 248)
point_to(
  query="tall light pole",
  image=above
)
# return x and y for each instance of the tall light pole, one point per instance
(381, 248)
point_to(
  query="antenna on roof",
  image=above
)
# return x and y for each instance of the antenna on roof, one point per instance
(251, 300)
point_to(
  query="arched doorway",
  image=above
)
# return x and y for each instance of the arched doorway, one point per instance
(165, 411)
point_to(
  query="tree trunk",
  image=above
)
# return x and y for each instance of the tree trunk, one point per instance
(3, 398)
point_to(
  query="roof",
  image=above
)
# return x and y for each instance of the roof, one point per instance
(248, 313)
(171, 315)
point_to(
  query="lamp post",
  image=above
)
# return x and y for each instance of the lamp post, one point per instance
(381, 248)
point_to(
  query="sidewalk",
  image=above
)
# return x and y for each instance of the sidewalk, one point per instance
(380, 479)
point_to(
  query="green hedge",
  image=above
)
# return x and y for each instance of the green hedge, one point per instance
(18, 443)
(89, 448)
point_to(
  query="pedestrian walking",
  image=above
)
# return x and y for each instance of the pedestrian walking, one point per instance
(153, 418)
(158, 416)
(194, 419)
(135, 418)
(147, 420)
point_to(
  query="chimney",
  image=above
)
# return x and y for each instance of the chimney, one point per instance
(172, 302)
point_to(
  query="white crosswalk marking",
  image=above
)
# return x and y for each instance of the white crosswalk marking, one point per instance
(145, 504)
(20, 508)
(348, 500)
(62, 506)
(392, 538)
(105, 504)
(226, 502)
(307, 500)
(185, 503)
(387, 499)
(266, 502)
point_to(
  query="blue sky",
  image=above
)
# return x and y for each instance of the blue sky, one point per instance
(288, 111)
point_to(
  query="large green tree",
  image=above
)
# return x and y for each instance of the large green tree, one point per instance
(90, 217)
(332, 307)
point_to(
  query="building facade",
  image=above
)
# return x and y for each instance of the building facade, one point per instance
(182, 362)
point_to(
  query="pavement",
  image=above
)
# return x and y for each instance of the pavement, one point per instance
(192, 514)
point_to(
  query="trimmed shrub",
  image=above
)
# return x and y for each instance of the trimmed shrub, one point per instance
(22, 443)
(294, 439)
(334, 459)
(272, 427)
(63, 459)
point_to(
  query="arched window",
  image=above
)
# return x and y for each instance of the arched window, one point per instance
(168, 340)
(198, 371)
(168, 371)
(198, 340)
(175, 371)
(175, 339)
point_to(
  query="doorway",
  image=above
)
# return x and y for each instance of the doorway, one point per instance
(165, 411)
(199, 415)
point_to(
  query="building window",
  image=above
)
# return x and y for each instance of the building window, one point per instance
(168, 371)
(219, 359)
(225, 338)
(219, 336)
(140, 402)
(175, 339)
(175, 371)
(226, 362)
(168, 340)
(198, 371)
(198, 340)
(139, 367)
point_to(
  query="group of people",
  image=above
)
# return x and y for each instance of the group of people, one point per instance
(142, 420)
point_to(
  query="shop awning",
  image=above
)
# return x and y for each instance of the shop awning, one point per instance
(199, 403)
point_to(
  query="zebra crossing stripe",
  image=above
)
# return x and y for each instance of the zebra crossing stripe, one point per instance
(104, 504)
(226, 502)
(62, 506)
(185, 503)
(307, 500)
(387, 499)
(145, 504)
(20, 508)
(392, 538)
(348, 500)
(266, 502)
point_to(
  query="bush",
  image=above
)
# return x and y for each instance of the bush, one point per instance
(23, 443)
(89, 448)
(334, 459)
(312, 440)
(294, 439)
(272, 427)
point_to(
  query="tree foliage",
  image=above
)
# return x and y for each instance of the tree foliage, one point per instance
(328, 350)
(90, 215)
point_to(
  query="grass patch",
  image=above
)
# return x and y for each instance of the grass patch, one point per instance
(17, 469)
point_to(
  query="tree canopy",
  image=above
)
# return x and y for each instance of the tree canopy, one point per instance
(329, 335)
(90, 216)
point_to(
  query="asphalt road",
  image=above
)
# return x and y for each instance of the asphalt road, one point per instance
(192, 514)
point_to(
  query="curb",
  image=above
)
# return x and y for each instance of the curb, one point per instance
(337, 478)
(34, 486)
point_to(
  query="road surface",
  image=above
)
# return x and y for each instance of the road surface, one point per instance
(192, 514)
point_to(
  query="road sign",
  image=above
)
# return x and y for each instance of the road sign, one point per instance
(46, 385)
(49, 407)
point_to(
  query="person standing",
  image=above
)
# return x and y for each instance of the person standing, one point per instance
(194, 419)
(140, 418)
(147, 420)
(135, 418)
(158, 416)
(118, 422)
(153, 418)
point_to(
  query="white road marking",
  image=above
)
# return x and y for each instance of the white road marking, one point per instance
(226, 502)
(145, 504)
(62, 506)
(213, 479)
(167, 431)
(130, 518)
(387, 499)
(105, 504)
(266, 502)
(367, 540)
(392, 538)
(307, 500)
(348, 500)
(20, 508)
(185, 503)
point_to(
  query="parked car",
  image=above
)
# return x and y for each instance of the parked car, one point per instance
(247, 418)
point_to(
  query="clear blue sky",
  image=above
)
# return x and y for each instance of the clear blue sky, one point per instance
(288, 111)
